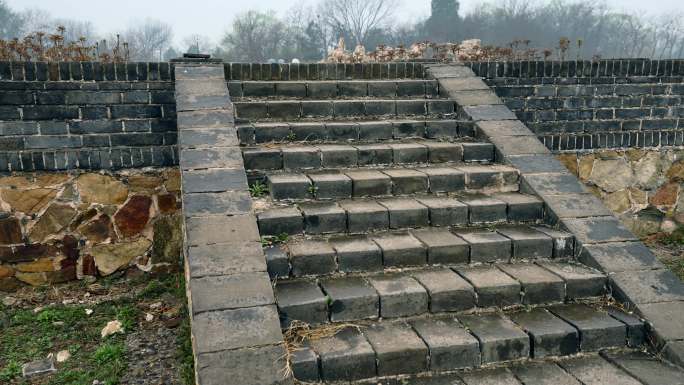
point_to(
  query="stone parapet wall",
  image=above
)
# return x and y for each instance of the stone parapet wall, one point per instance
(585, 105)
(644, 188)
(86, 125)
(60, 226)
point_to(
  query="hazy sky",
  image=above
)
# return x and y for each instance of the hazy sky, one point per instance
(212, 17)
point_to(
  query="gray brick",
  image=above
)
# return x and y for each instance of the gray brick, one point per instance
(281, 221)
(451, 346)
(398, 349)
(551, 184)
(406, 181)
(370, 183)
(563, 243)
(445, 211)
(380, 108)
(442, 152)
(447, 86)
(409, 153)
(408, 129)
(598, 230)
(580, 281)
(442, 129)
(574, 206)
(357, 254)
(484, 209)
(345, 356)
(440, 107)
(527, 242)
(289, 186)
(489, 112)
(382, 89)
(317, 109)
(271, 132)
(400, 296)
(550, 335)
(405, 213)
(522, 207)
(211, 158)
(290, 89)
(302, 301)
(475, 98)
(649, 286)
(486, 246)
(489, 376)
(248, 366)
(544, 373)
(352, 89)
(351, 299)
(304, 363)
(301, 157)
(597, 329)
(331, 186)
(284, 109)
(51, 142)
(493, 287)
(226, 258)
(447, 290)
(400, 250)
(371, 154)
(645, 368)
(500, 339)
(305, 131)
(277, 262)
(312, 258)
(443, 247)
(348, 108)
(338, 156)
(444, 179)
(322, 218)
(322, 90)
(411, 88)
(636, 328)
(619, 256)
(342, 131)
(365, 216)
(230, 291)
(664, 320)
(538, 285)
(480, 177)
(375, 130)
(258, 89)
(596, 370)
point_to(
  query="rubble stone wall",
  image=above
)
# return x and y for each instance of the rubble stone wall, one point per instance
(643, 187)
(585, 105)
(60, 226)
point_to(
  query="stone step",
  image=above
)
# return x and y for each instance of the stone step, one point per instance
(394, 181)
(335, 255)
(399, 88)
(413, 292)
(453, 342)
(278, 110)
(372, 215)
(296, 157)
(352, 130)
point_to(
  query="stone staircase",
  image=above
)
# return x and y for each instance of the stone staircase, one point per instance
(384, 214)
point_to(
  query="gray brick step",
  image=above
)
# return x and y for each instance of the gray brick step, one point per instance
(300, 156)
(458, 343)
(417, 291)
(366, 130)
(386, 182)
(278, 110)
(371, 215)
(400, 88)
(334, 255)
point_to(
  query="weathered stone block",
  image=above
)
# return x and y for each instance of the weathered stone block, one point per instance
(398, 349)
(331, 186)
(281, 221)
(230, 291)
(400, 296)
(538, 285)
(443, 179)
(370, 183)
(580, 281)
(527, 242)
(451, 346)
(486, 246)
(365, 216)
(357, 254)
(493, 287)
(445, 211)
(312, 258)
(289, 186)
(405, 213)
(401, 250)
(302, 301)
(597, 329)
(351, 299)
(550, 335)
(345, 356)
(443, 247)
(447, 290)
(322, 218)
(500, 339)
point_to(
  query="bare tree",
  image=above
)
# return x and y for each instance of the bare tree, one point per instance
(255, 36)
(148, 40)
(357, 18)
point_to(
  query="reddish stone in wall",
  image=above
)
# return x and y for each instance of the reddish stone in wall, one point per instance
(167, 203)
(99, 230)
(666, 195)
(10, 231)
(25, 253)
(133, 216)
(89, 267)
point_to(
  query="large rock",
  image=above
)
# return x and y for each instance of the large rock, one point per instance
(37, 266)
(133, 216)
(111, 257)
(167, 203)
(173, 181)
(10, 231)
(98, 230)
(51, 179)
(644, 223)
(666, 196)
(168, 239)
(98, 188)
(676, 172)
(639, 199)
(569, 161)
(586, 164)
(649, 171)
(144, 183)
(612, 174)
(30, 201)
(6, 272)
(53, 221)
(618, 202)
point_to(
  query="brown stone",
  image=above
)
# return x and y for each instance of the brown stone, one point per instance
(634, 154)
(167, 203)
(612, 175)
(69, 193)
(104, 189)
(639, 198)
(99, 230)
(618, 202)
(676, 172)
(144, 183)
(83, 217)
(569, 161)
(586, 164)
(51, 179)
(10, 231)
(644, 223)
(69, 247)
(133, 216)
(33, 279)
(40, 265)
(610, 154)
(9, 284)
(60, 276)
(6, 272)
(666, 195)
(52, 222)
(111, 257)
(168, 239)
(16, 181)
(23, 253)
(30, 201)
(649, 171)
(88, 266)
(172, 182)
